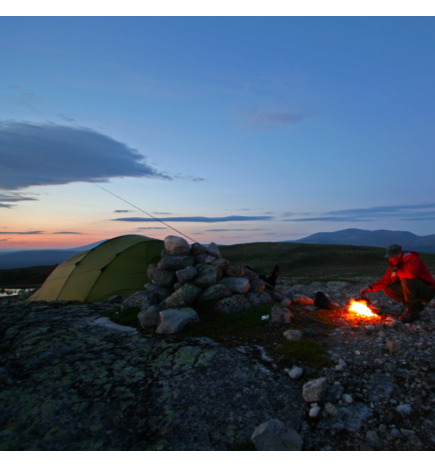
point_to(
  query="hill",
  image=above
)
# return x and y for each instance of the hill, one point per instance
(380, 238)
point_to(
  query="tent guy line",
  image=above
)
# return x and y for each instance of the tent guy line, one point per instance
(151, 216)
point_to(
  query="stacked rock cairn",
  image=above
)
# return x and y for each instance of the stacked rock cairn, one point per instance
(187, 275)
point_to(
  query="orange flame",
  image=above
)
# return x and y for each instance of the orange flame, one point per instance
(361, 309)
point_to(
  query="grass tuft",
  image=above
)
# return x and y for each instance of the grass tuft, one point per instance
(307, 351)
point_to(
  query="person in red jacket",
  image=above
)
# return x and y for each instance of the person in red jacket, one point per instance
(407, 280)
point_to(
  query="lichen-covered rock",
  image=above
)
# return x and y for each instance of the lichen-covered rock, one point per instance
(149, 317)
(233, 304)
(200, 258)
(314, 390)
(257, 299)
(186, 274)
(293, 335)
(176, 245)
(177, 286)
(236, 285)
(276, 436)
(196, 249)
(183, 296)
(222, 263)
(235, 270)
(209, 260)
(162, 293)
(214, 293)
(257, 285)
(249, 274)
(208, 275)
(213, 250)
(175, 262)
(174, 320)
(280, 315)
(162, 278)
(142, 299)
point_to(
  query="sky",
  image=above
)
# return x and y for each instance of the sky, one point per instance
(229, 129)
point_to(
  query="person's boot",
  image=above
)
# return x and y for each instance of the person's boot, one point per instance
(413, 313)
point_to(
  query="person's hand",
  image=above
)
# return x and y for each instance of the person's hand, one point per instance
(364, 291)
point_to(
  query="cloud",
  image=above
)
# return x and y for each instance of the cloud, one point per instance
(161, 213)
(13, 197)
(24, 99)
(330, 218)
(198, 219)
(66, 118)
(123, 211)
(382, 210)
(271, 234)
(233, 237)
(67, 232)
(268, 212)
(189, 177)
(5, 205)
(22, 233)
(5, 240)
(232, 230)
(142, 228)
(49, 154)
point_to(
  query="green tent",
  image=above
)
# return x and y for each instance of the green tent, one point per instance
(117, 266)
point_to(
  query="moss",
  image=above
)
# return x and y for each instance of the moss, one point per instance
(307, 351)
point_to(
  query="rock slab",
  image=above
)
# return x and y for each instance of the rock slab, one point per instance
(174, 320)
(276, 436)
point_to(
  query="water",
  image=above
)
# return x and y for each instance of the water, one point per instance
(12, 292)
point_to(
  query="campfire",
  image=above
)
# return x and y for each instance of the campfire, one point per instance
(356, 312)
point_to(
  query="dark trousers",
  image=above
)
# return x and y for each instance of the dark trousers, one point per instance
(409, 290)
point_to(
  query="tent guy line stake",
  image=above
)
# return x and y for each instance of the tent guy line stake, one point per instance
(151, 216)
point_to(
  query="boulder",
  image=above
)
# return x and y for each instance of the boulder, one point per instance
(257, 285)
(393, 346)
(222, 263)
(234, 270)
(164, 253)
(314, 390)
(209, 260)
(196, 249)
(257, 299)
(175, 262)
(186, 274)
(276, 436)
(162, 293)
(177, 286)
(208, 275)
(162, 278)
(175, 245)
(149, 317)
(280, 315)
(174, 320)
(249, 274)
(116, 299)
(236, 285)
(296, 372)
(183, 296)
(277, 296)
(213, 250)
(293, 335)
(200, 258)
(214, 293)
(142, 299)
(303, 300)
(233, 304)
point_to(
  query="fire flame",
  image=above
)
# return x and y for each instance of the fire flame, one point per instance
(361, 309)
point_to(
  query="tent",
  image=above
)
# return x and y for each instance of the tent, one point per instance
(117, 266)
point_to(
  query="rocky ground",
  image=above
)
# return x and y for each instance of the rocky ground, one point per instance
(71, 379)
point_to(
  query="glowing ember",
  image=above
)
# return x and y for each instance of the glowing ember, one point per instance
(361, 309)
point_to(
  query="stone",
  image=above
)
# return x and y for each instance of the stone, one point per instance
(249, 274)
(393, 346)
(236, 285)
(395, 433)
(142, 299)
(303, 300)
(209, 260)
(162, 278)
(257, 286)
(337, 284)
(372, 439)
(293, 335)
(280, 315)
(196, 249)
(314, 390)
(276, 436)
(174, 320)
(177, 286)
(315, 412)
(404, 410)
(296, 372)
(175, 262)
(149, 317)
(277, 296)
(331, 410)
(289, 294)
(175, 245)
(186, 274)
(213, 250)
(116, 299)
(214, 293)
(285, 303)
(184, 296)
(333, 393)
(222, 263)
(257, 299)
(208, 275)
(382, 429)
(162, 293)
(164, 253)
(347, 398)
(235, 270)
(233, 304)
(200, 258)
(379, 386)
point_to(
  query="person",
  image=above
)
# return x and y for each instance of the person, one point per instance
(407, 280)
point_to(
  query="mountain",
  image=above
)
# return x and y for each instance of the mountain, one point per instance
(379, 238)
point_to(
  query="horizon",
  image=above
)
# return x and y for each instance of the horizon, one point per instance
(230, 129)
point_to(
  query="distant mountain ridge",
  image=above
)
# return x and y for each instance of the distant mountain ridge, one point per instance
(379, 238)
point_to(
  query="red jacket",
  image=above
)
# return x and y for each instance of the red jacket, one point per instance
(410, 266)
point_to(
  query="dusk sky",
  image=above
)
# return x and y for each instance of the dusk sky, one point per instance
(232, 130)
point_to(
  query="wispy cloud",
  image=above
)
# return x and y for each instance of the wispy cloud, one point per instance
(189, 177)
(49, 154)
(161, 213)
(233, 237)
(67, 232)
(25, 99)
(144, 228)
(13, 197)
(232, 230)
(123, 211)
(5, 205)
(197, 219)
(21, 233)
(5, 240)
(66, 118)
